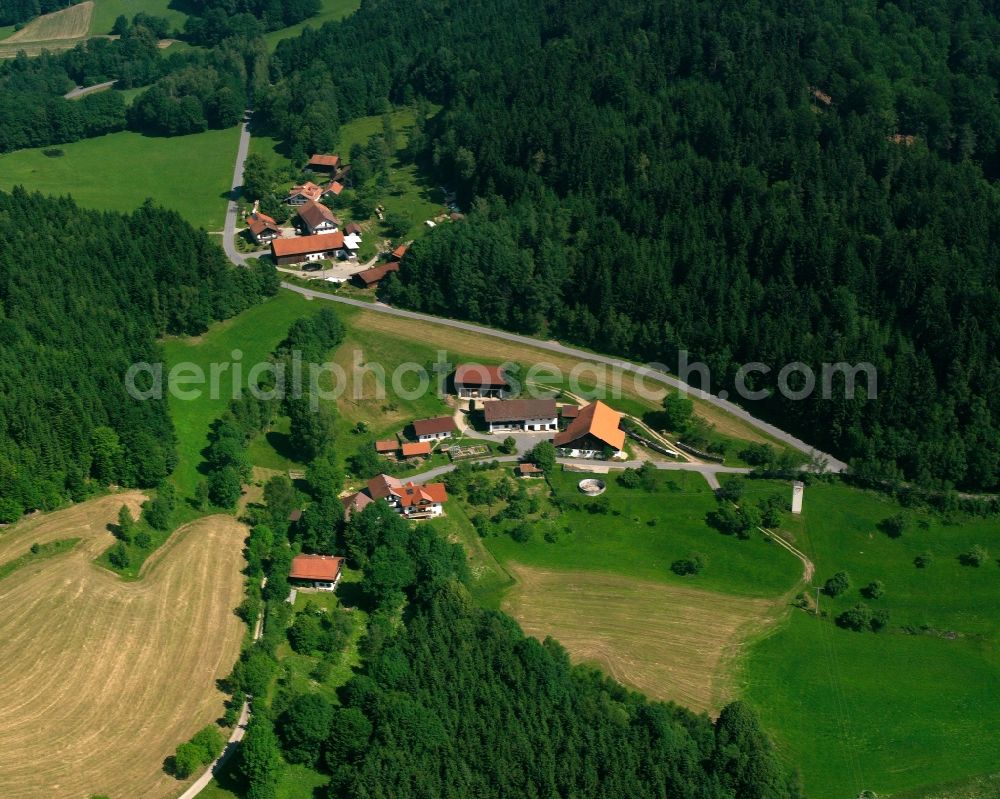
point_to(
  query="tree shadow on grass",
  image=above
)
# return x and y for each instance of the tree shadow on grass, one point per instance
(350, 595)
(282, 444)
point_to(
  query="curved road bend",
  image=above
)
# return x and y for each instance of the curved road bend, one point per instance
(654, 375)
(228, 243)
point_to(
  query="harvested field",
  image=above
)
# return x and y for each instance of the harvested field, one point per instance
(101, 678)
(59, 30)
(671, 643)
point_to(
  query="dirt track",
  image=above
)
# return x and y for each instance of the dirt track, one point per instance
(100, 678)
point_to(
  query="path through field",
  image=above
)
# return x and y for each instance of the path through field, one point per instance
(100, 679)
(670, 642)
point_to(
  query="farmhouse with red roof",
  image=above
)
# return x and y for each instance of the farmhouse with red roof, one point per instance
(475, 381)
(408, 499)
(321, 572)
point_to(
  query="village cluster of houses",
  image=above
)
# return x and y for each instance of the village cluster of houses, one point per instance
(322, 234)
(593, 431)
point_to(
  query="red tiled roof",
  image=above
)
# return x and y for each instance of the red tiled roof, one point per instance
(383, 485)
(316, 567)
(295, 515)
(520, 409)
(569, 411)
(320, 159)
(376, 273)
(409, 450)
(309, 190)
(314, 214)
(386, 445)
(439, 424)
(334, 188)
(258, 223)
(528, 468)
(597, 420)
(355, 502)
(353, 227)
(476, 374)
(400, 251)
(412, 494)
(305, 245)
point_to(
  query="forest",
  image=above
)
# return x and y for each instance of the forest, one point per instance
(761, 181)
(83, 295)
(13, 12)
(453, 700)
(187, 92)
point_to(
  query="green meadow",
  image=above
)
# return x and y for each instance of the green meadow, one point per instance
(330, 11)
(107, 11)
(118, 172)
(255, 332)
(912, 706)
(646, 531)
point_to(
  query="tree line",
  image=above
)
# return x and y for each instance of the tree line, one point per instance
(809, 183)
(84, 295)
(186, 92)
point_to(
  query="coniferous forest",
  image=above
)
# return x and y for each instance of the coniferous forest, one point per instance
(83, 295)
(763, 181)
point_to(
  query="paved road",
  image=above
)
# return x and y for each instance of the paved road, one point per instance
(646, 372)
(831, 463)
(82, 91)
(202, 782)
(229, 230)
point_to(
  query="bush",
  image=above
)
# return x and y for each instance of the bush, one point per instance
(923, 560)
(522, 533)
(857, 618)
(187, 760)
(118, 556)
(692, 564)
(880, 619)
(976, 556)
(509, 446)
(894, 526)
(629, 479)
(874, 590)
(837, 584)
(143, 539)
(543, 455)
(730, 489)
(209, 741)
(600, 505)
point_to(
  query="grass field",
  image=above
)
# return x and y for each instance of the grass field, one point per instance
(669, 642)
(623, 542)
(117, 172)
(604, 589)
(102, 678)
(903, 709)
(330, 10)
(60, 30)
(107, 11)
(255, 332)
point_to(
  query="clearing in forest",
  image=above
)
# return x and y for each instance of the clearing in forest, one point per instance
(101, 678)
(669, 642)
